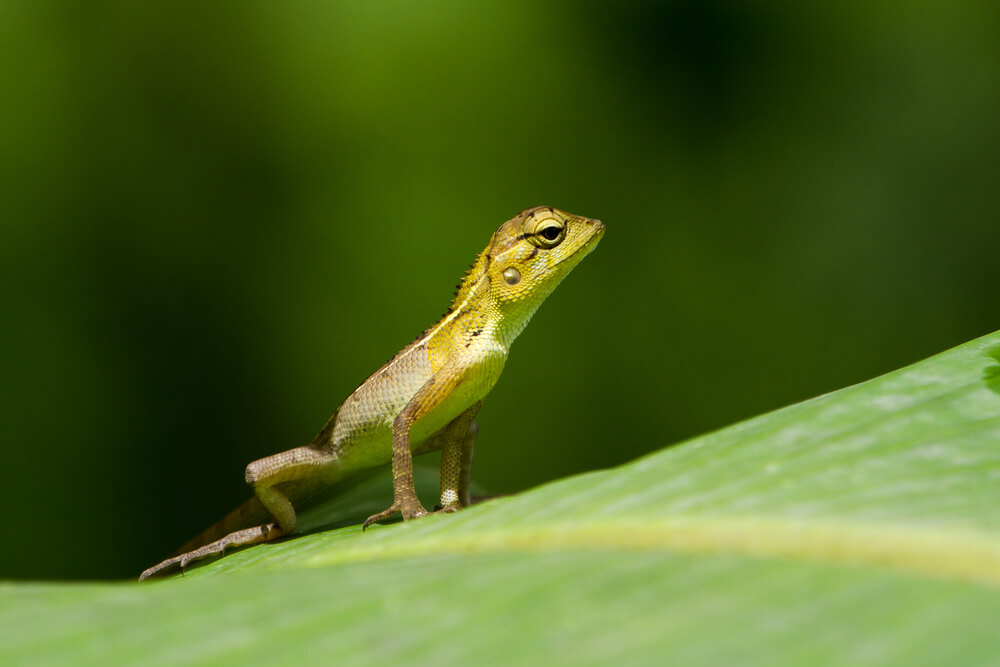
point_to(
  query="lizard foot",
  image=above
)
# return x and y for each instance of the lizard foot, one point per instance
(408, 513)
(240, 538)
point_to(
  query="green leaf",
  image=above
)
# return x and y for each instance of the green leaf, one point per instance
(862, 526)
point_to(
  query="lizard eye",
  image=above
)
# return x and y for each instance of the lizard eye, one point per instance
(549, 236)
(551, 233)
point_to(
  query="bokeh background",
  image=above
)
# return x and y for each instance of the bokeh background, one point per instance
(218, 218)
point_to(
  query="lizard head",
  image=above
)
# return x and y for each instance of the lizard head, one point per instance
(526, 259)
(531, 254)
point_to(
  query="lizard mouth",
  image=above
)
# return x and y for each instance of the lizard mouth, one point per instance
(594, 232)
(598, 230)
(585, 242)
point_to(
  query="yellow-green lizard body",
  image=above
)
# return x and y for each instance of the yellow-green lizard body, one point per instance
(425, 398)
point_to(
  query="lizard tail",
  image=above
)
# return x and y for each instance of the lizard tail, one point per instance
(253, 513)
(249, 514)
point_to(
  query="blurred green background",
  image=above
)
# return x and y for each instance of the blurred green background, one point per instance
(218, 218)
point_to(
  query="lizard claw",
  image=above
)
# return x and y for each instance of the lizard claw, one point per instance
(408, 513)
(381, 516)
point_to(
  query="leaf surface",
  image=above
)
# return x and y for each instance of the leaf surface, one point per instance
(861, 526)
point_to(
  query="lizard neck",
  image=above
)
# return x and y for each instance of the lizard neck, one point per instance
(477, 325)
(495, 324)
(477, 316)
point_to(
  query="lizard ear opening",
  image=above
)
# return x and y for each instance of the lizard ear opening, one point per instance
(511, 276)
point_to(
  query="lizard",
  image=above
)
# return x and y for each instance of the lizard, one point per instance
(423, 399)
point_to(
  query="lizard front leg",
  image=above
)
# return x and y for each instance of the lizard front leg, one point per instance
(428, 397)
(456, 460)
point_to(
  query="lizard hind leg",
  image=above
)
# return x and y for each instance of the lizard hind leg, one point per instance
(304, 465)
(301, 463)
(239, 538)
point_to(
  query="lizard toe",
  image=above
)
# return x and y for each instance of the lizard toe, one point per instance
(381, 516)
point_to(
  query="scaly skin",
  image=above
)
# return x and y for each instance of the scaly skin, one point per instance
(425, 398)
